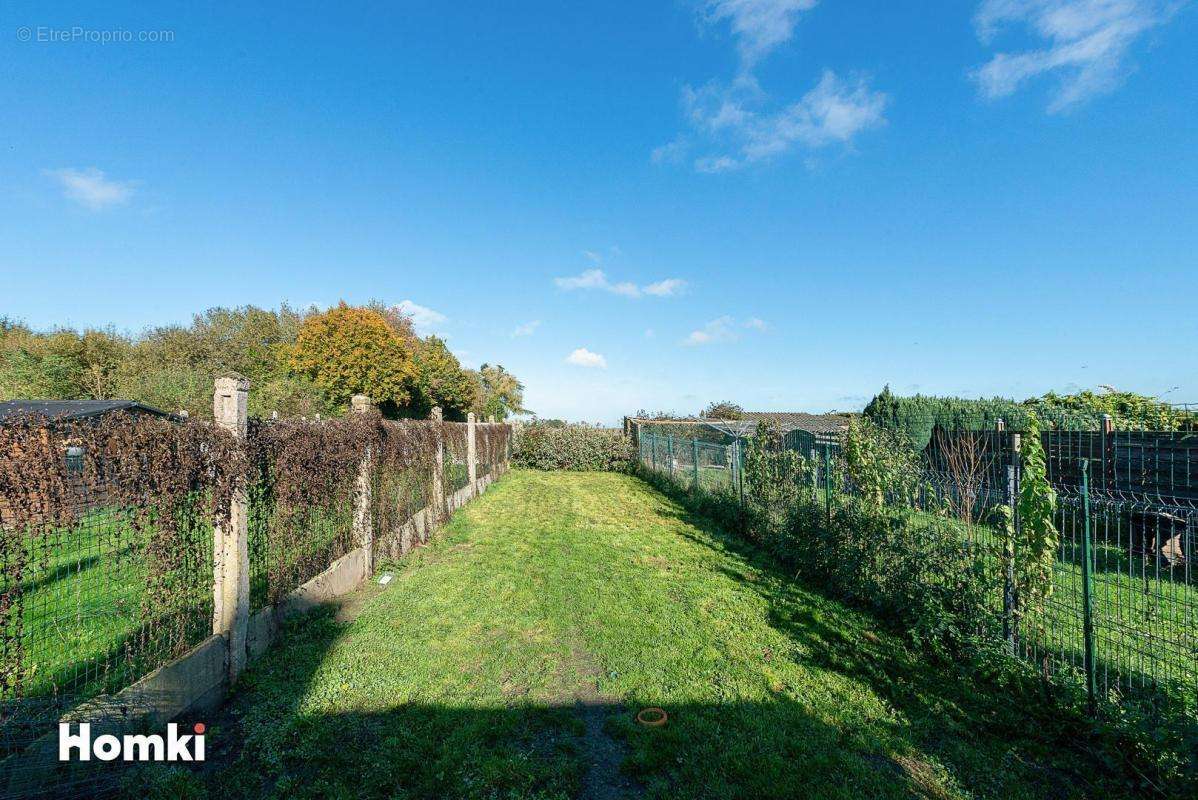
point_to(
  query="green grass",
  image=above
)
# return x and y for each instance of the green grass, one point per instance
(83, 590)
(507, 660)
(1145, 615)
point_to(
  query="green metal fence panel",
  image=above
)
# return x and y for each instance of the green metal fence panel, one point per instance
(1122, 617)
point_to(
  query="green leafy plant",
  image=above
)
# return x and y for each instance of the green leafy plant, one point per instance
(1039, 539)
(879, 463)
(572, 447)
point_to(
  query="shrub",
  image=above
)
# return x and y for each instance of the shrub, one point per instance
(572, 447)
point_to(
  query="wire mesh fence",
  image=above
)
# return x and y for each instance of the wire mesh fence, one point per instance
(302, 486)
(1121, 617)
(106, 549)
(456, 473)
(108, 528)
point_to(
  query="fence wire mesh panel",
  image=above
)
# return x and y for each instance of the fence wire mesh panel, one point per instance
(1128, 518)
(492, 448)
(107, 538)
(106, 552)
(403, 480)
(303, 487)
(456, 472)
(1121, 614)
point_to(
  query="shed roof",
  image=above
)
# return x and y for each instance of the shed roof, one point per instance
(792, 420)
(73, 409)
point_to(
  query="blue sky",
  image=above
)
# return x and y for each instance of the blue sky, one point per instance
(785, 203)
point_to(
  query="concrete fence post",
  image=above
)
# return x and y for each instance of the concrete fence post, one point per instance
(513, 431)
(471, 449)
(363, 524)
(231, 567)
(439, 464)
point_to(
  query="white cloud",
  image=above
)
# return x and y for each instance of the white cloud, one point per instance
(589, 279)
(671, 152)
(722, 330)
(597, 279)
(424, 319)
(737, 124)
(667, 288)
(91, 188)
(527, 329)
(833, 112)
(756, 324)
(585, 358)
(1086, 44)
(759, 25)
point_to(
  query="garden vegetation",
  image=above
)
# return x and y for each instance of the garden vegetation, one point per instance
(921, 560)
(300, 363)
(552, 446)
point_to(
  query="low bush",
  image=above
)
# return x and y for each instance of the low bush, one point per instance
(572, 447)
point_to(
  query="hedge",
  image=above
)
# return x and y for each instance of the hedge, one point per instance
(573, 447)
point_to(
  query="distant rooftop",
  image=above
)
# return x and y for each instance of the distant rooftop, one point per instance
(74, 409)
(785, 421)
(790, 420)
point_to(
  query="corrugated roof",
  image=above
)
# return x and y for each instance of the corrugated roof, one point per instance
(73, 409)
(798, 420)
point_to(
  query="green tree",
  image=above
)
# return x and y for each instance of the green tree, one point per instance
(347, 350)
(440, 381)
(722, 410)
(497, 393)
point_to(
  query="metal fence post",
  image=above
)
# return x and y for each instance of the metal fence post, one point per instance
(1108, 452)
(695, 454)
(363, 524)
(729, 464)
(814, 464)
(1088, 594)
(739, 450)
(231, 567)
(653, 449)
(828, 483)
(1010, 623)
(670, 453)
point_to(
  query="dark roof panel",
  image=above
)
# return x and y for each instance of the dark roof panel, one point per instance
(73, 409)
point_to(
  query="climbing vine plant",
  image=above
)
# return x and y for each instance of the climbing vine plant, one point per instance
(1039, 537)
(1032, 545)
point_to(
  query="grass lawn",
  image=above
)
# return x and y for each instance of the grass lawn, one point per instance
(508, 658)
(1145, 611)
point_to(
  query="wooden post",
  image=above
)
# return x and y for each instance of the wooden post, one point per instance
(363, 523)
(230, 555)
(471, 450)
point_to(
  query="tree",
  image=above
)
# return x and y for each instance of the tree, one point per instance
(100, 356)
(722, 410)
(497, 393)
(440, 381)
(348, 350)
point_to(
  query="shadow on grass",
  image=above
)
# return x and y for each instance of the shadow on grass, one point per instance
(273, 741)
(999, 708)
(291, 732)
